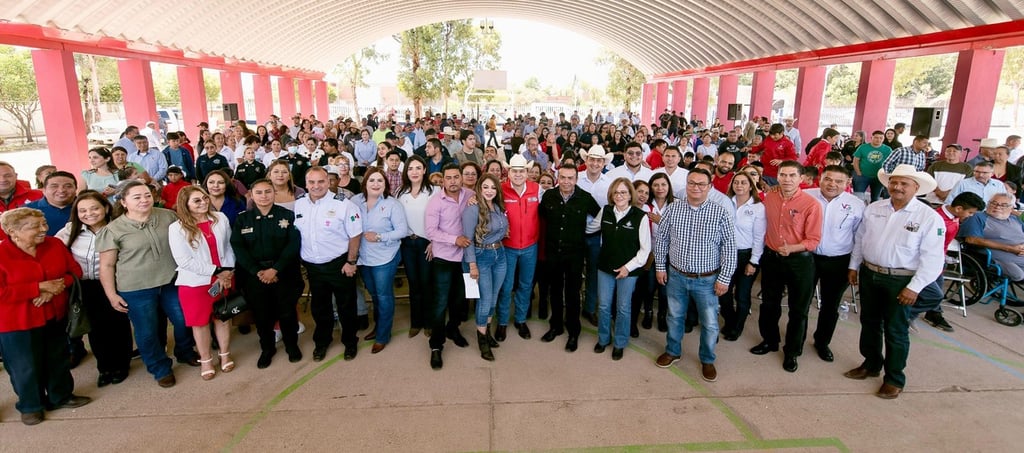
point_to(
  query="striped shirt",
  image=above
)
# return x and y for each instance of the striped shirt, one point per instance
(697, 239)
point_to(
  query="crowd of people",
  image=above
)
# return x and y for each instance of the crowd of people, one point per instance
(617, 223)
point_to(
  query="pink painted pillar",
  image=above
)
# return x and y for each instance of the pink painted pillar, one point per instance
(286, 98)
(57, 85)
(264, 97)
(679, 96)
(974, 95)
(701, 92)
(323, 108)
(646, 95)
(762, 93)
(727, 86)
(305, 97)
(137, 92)
(873, 95)
(231, 91)
(193, 100)
(810, 87)
(661, 100)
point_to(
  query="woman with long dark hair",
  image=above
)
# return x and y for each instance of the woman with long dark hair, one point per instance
(750, 229)
(223, 196)
(102, 174)
(415, 249)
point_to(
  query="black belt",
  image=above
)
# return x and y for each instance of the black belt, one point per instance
(791, 255)
(832, 258)
(695, 274)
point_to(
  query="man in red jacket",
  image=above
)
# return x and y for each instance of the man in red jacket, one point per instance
(774, 150)
(14, 193)
(522, 203)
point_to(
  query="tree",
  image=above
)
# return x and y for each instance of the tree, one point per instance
(438, 60)
(1012, 78)
(98, 82)
(211, 83)
(922, 79)
(624, 80)
(530, 91)
(841, 85)
(18, 95)
(354, 70)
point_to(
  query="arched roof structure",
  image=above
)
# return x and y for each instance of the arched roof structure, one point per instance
(658, 36)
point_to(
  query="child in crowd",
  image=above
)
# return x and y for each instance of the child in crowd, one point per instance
(175, 182)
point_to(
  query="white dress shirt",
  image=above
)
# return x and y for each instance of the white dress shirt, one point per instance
(326, 226)
(678, 179)
(623, 171)
(840, 219)
(597, 189)
(751, 224)
(911, 238)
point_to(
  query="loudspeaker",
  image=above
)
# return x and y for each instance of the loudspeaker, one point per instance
(230, 112)
(735, 112)
(926, 121)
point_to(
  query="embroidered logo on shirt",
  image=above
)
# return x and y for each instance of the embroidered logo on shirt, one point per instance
(912, 227)
(354, 217)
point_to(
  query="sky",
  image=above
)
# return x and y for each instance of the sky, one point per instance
(522, 57)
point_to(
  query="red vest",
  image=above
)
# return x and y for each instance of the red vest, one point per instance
(522, 212)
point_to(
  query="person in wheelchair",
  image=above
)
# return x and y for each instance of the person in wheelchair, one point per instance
(929, 301)
(999, 231)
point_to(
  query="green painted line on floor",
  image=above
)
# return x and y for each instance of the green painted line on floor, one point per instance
(755, 444)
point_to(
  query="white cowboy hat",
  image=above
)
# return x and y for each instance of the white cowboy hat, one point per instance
(926, 183)
(989, 143)
(595, 151)
(448, 131)
(518, 161)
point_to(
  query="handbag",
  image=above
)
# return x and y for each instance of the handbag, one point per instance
(78, 321)
(229, 305)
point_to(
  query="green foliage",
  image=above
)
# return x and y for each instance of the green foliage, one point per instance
(18, 95)
(841, 85)
(211, 82)
(625, 81)
(530, 91)
(354, 70)
(786, 79)
(1011, 81)
(924, 78)
(438, 60)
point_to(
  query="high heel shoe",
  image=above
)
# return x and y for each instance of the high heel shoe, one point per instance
(210, 373)
(226, 364)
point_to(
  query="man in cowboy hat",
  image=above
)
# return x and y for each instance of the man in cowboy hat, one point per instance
(897, 252)
(984, 151)
(522, 203)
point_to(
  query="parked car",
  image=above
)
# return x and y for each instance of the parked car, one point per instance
(106, 132)
(171, 118)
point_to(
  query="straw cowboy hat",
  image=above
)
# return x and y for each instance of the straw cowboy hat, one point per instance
(926, 183)
(595, 151)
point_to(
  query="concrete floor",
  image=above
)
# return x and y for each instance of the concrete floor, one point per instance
(965, 392)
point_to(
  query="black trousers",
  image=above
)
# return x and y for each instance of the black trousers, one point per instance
(795, 273)
(327, 280)
(275, 303)
(831, 273)
(566, 279)
(111, 335)
(450, 295)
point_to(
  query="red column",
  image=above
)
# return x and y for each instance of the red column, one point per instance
(701, 91)
(810, 86)
(873, 95)
(286, 98)
(137, 92)
(974, 95)
(727, 86)
(762, 93)
(679, 97)
(57, 85)
(264, 97)
(305, 97)
(193, 99)
(231, 91)
(323, 109)
(646, 94)
(661, 100)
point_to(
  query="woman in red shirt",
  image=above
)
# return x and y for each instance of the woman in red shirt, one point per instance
(35, 271)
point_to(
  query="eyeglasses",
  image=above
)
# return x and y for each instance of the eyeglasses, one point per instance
(699, 185)
(621, 193)
(1001, 205)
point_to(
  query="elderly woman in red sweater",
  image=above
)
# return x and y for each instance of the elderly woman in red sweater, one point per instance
(35, 271)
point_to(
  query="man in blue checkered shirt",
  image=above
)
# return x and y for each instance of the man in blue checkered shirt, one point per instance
(915, 155)
(694, 257)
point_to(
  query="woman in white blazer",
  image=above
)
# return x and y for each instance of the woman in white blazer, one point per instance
(201, 244)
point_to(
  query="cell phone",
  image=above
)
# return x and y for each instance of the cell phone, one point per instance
(214, 289)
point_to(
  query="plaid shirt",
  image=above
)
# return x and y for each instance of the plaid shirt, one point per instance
(394, 180)
(905, 155)
(696, 240)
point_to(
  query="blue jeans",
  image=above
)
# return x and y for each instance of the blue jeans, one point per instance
(593, 250)
(929, 299)
(142, 311)
(37, 362)
(867, 183)
(526, 260)
(610, 288)
(492, 267)
(680, 290)
(380, 281)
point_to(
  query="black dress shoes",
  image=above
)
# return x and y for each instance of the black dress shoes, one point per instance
(117, 377)
(74, 401)
(104, 379)
(265, 358)
(572, 344)
(825, 353)
(294, 353)
(590, 317)
(789, 363)
(730, 335)
(352, 350)
(501, 333)
(764, 348)
(551, 335)
(319, 353)
(457, 338)
(599, 348)
(32, 418)
(435, 359)
(523, 329)
(634, 332)
(662, 323)
(648, 321)
(616, 353)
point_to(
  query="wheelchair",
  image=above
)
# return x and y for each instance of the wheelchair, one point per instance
(973, 274)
